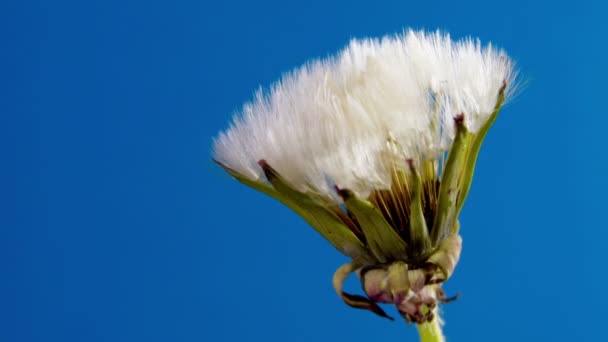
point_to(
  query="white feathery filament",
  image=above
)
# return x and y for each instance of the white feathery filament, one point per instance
(349, 119)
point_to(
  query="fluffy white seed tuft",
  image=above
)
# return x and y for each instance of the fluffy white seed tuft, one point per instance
(348, 119)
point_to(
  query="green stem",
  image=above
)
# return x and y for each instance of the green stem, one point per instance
(431, 331)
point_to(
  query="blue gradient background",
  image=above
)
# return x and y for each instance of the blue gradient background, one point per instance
(116, 226)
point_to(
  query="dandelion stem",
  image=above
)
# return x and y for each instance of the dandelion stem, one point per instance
(431, 331)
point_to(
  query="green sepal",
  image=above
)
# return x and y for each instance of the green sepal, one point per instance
(259, 185)
(469, 169)
(450, 183)
(382, 239)
(355, 301)
(419, 243)
(315, 213)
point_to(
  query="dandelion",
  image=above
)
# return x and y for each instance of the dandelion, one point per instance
(376, 148)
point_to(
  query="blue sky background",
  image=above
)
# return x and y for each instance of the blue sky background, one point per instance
(116, 226)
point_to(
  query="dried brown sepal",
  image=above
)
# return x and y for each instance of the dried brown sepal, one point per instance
(355, 301)
(446, 257)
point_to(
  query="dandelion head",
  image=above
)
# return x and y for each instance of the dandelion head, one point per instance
(375, 148)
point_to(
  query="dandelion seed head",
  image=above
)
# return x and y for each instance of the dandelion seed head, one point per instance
(352, 118)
